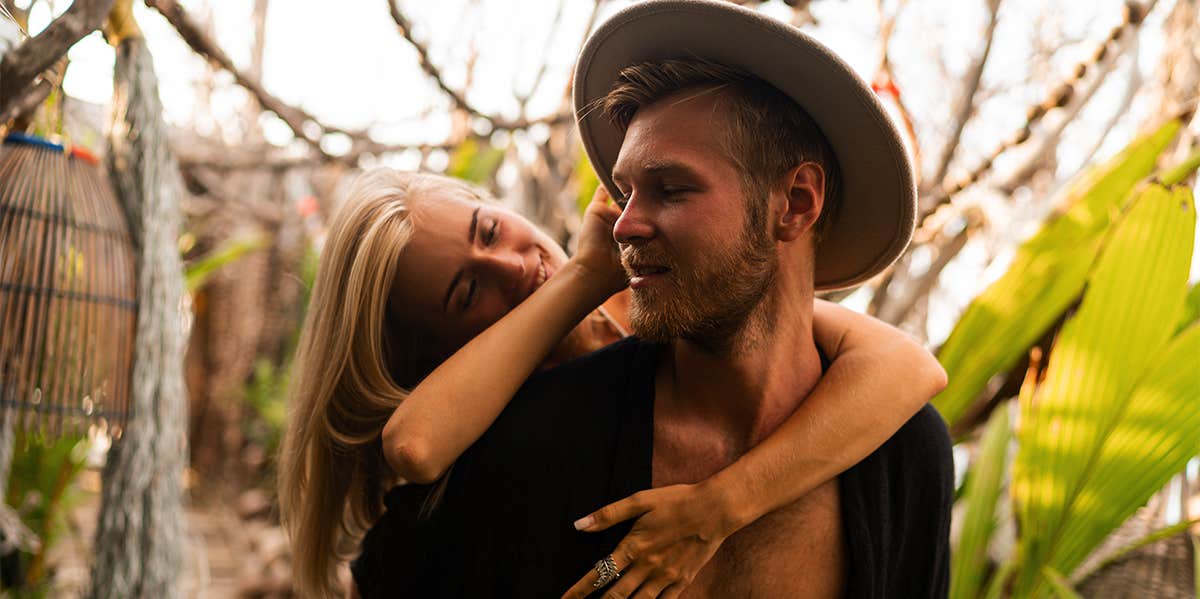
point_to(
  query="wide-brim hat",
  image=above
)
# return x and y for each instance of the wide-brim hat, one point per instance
(875, 220)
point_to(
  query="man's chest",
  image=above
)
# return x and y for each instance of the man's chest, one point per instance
(795, 551)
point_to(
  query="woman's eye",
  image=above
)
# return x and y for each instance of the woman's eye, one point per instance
(470, 297)
(490, 236)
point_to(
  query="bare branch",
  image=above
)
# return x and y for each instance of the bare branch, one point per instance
(966, 102)
(947, 249)
(1059, 97)
(457, 97)
(523, 99)
(1048, 142)
(27, 102)
(23, 64)
(294, 117)
(885, 76)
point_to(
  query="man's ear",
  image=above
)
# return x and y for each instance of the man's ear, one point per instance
(804, 194)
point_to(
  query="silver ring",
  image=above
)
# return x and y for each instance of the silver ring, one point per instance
(607, 569)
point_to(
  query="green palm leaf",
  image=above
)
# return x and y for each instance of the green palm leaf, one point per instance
(1046, 277)
(1133, 302)
(1156, 436)
(968, 564)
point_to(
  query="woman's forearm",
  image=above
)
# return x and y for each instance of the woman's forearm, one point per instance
(453, 406)
(878, 379)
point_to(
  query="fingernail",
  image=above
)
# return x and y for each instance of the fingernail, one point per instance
(584, 522)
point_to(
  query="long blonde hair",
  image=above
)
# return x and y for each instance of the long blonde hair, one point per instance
(347, 376)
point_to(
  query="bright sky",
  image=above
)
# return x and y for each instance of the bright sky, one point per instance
(346, 63)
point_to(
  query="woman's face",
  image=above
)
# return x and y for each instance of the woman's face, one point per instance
(467, 265)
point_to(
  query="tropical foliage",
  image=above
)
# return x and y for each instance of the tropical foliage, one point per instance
(1111, 416)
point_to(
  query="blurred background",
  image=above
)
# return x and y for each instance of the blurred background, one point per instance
(1052, 269)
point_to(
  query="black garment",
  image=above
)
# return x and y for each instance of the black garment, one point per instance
(581, 436)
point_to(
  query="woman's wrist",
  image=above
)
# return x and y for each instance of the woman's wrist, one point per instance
(596, 285)
(732, 507)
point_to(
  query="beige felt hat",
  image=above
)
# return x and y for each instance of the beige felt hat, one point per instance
(878, 202)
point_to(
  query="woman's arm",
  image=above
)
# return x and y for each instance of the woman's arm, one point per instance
(453, 406)
(878, 379)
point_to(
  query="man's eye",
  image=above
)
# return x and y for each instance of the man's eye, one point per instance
(674, 193)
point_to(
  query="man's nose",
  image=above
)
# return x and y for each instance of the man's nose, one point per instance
(634, 225)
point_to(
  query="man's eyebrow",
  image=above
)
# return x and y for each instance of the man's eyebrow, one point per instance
(659, 167)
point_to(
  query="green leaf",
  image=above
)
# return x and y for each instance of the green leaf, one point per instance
(1045, 278)
(1134, 299)
(475, 163)
(1153, 537)
(197, 273)
(586, 181)
(1156, 436)
(1191, 309)
(969, 563)
(1061, 587)
(995, 588)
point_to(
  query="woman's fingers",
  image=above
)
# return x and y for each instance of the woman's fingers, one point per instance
(654, 587)
(673, 591)
(622, 556)
(601, 195)
(631, 507)
(628, 583)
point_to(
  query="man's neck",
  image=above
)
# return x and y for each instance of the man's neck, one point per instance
(751, 386)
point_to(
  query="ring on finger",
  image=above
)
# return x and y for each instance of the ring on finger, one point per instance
(607, 571)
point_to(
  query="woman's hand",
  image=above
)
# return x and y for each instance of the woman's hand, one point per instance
(678, 530)
(598, 252)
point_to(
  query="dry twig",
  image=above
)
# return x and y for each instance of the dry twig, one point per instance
(23, 64)
(966, 102)
(457, 97)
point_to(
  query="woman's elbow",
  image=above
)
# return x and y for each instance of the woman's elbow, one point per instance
(938, 378)
(411, 457)
(934, 375)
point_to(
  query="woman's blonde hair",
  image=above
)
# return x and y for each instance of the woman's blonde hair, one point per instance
(350, 373)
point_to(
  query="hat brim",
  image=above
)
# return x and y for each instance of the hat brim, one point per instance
(875, 219)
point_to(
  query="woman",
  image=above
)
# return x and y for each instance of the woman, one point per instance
(416, 267)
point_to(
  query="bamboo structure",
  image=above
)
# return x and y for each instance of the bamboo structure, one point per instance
(68, 303)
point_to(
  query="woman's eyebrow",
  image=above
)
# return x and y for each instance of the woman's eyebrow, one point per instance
(474, 223)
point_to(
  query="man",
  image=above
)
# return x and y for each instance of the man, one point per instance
(729, 140)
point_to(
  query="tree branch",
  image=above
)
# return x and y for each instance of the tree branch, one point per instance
(966, 105)
(1059, 97)
(1048, 143)
(295, 118)
(27, 101)
(457, 97)
(23, 64)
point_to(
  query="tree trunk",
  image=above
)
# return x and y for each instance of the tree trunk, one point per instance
(139, 536)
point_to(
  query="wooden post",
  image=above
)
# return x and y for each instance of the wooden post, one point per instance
(140, 533)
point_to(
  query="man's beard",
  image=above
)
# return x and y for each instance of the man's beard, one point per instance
(710, 303)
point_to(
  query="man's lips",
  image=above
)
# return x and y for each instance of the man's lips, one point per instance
(641, 275)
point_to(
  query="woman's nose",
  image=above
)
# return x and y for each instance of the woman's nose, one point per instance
(506, 266)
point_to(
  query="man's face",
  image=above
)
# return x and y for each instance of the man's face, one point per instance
(698, 258)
